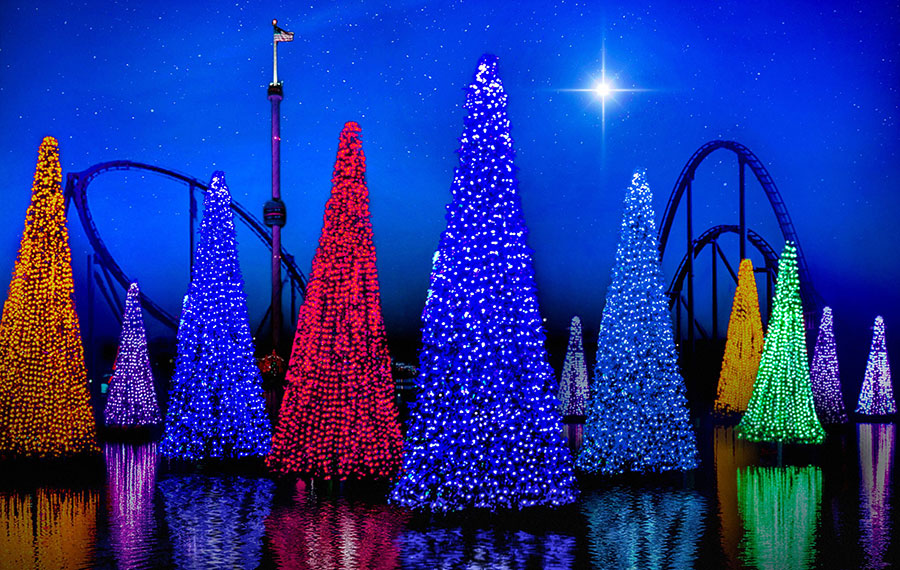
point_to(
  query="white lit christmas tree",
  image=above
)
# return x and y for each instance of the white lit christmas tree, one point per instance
(825, 376)
(573, 386)
(877, 395)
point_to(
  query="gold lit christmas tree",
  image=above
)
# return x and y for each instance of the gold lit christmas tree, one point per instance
(45, 408)
(744, 346)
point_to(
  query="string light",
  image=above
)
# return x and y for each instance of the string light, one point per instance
(638, 417)
(45, 408)
(744, 346)
(216, 406)
(573, 386)
(484, 431)
(781, 408)
(825, 376)
(338, 418)
(132, 396)
(780, 509)
(876, 398)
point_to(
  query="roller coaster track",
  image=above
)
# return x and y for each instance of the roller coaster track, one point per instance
(76, 192)
(682, 192)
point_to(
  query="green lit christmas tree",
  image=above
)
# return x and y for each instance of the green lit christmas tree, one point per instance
(781, 408)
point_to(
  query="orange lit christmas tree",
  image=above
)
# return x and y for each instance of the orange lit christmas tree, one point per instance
(744, 346)
(45, 408)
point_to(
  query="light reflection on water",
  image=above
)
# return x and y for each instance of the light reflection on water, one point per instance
(780, 509)
(216, 521)
(475, 548)
(732, 513)
(632, 527)
(48, 528)
(131, 483)
(326, 534)
(876, 457)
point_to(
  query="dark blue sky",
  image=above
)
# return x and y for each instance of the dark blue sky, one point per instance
(811, 89)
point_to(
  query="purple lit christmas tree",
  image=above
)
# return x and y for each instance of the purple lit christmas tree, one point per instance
(877, 395)
(484, 431)
(825, 376)
(216, 405)
(638, 418)
(132, 397)
(573, 386)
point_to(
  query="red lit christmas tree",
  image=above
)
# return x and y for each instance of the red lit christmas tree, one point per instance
(45, 408)
(338, 418)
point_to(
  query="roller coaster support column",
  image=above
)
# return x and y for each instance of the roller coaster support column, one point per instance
(690, 265)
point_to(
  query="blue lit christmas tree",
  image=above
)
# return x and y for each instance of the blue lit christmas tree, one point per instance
(216, 406)
(484, 432)
(637, 418)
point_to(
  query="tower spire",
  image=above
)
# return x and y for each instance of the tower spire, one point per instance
(274, 212)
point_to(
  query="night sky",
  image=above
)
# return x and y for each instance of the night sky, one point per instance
(812, 90)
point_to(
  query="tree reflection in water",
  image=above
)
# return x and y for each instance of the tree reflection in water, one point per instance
(441, 547)
(216, 521)
(48, 528)
(876, 456)
(131, 482)
(334, 533)
(649, 528)
(780, 509)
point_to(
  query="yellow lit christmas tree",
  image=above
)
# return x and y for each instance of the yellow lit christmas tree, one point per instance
(743, 348)
(45, 408)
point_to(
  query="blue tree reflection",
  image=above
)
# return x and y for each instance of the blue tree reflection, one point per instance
(216, 521)
(131, 482)
(644, 528)
(485, 548)
(876, 457)
(780, 509)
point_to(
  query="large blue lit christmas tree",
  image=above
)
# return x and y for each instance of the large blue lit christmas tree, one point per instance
(638, 418)
(216, 406)
(484, 432)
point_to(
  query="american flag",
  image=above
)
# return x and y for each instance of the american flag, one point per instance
(281, 35)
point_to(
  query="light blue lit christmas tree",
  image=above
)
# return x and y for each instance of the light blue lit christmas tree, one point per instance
(637, 419)
(484, 432)
(216, 406)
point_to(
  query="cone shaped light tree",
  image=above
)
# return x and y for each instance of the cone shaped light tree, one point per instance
(825, 376)
(781, 408)
(338, 418)
(638, 418)
(132, 396)
(216, 407)
(484, 431)
(876, 398)
(574, 391)
(743, 348)
(45, 408)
